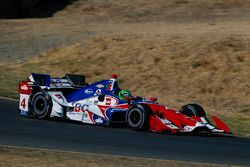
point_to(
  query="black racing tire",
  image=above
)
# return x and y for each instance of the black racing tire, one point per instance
(42, 105)
(137, 117)
(193, 110)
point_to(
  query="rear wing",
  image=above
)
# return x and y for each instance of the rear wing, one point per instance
(68, 81)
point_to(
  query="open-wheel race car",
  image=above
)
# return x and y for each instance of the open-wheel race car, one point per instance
(105, 103)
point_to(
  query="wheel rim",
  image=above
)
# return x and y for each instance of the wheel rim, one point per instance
(134, 117)
(40, 105)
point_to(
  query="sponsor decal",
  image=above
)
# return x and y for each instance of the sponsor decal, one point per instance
(109, 86)
(24, 87)
(100, 86)
(168, 123)
(75, 113)
(188, 128)
(108, 101)
(98, 121)
(77, 107)
(58, 82)
(85, 107)
(165, 121)
(23, 112)
(85, 115)
(58, 96)
(80, 107)
(88, 91)
(98, 92)
(118, 109)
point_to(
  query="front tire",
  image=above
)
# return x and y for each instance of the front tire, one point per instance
(42, 105)
(137, 117)
(193, 110)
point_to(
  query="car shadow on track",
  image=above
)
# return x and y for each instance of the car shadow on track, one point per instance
(206, 134)
(124, 126)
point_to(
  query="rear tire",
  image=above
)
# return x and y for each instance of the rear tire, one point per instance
(193, 110)
(42, 105)
(137, 118)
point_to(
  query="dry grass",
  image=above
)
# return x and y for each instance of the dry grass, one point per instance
(162, 49)
(19, 157)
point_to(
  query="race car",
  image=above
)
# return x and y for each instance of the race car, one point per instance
(105, 103)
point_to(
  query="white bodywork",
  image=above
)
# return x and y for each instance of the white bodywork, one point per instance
(81, 110)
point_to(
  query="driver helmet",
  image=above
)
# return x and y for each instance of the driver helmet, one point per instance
(124, 93)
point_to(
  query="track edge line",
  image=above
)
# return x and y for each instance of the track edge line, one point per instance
(8, 98)
(117, 156)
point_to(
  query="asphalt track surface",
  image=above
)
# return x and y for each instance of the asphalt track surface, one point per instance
(67, 136)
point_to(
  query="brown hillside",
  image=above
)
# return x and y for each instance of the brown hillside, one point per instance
(180, 51)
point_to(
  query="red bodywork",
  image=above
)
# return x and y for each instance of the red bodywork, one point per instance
(178, 119)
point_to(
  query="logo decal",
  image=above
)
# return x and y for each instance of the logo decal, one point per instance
(58, 96)
(98, 92)
(98, 121)
(108, 101)
(100, 86)
(58, 82)
(109, 86)
(24, 87)
(78, 107)
(88, 91)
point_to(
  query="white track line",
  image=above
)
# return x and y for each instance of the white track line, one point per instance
(8, 98)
